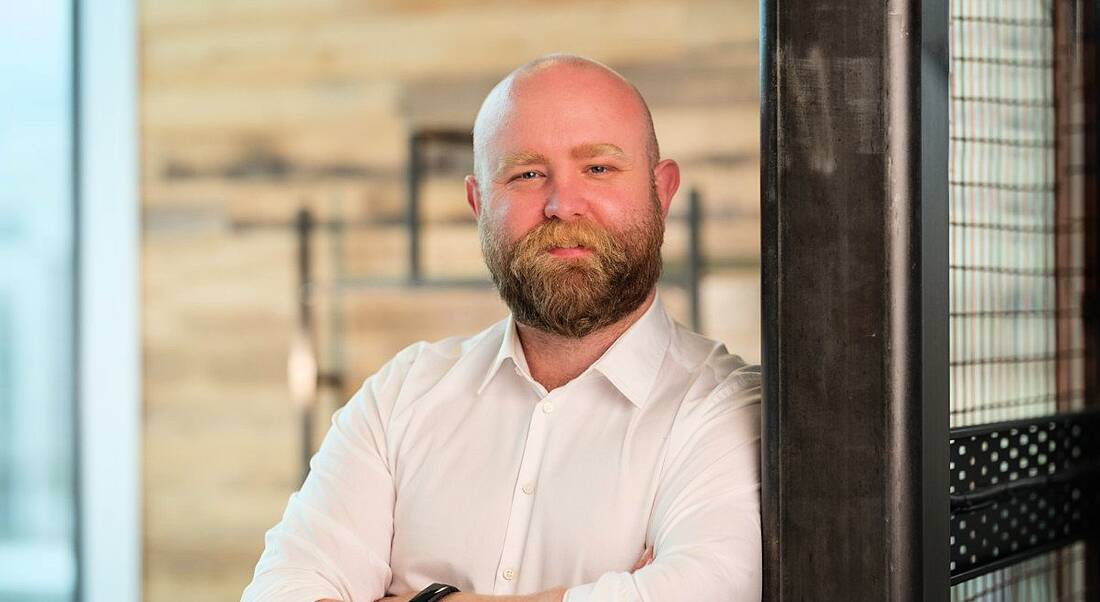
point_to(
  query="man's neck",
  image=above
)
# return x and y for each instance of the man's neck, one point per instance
(555, 360)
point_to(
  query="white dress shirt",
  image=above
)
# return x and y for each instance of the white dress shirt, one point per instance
(452, 464)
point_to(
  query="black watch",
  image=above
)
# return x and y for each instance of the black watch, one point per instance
(435, 591)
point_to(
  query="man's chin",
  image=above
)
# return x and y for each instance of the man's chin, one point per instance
(575, 281)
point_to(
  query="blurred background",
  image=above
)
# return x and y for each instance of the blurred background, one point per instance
(269, 176)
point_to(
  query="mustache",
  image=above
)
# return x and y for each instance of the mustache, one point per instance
(556, 233)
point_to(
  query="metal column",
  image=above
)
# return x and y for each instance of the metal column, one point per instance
(854, 280)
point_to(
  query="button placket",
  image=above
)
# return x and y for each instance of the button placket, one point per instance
(523, 499)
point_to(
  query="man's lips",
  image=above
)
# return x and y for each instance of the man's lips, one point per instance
(571, 252)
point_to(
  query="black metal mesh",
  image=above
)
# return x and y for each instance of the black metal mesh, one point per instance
(1018, 177)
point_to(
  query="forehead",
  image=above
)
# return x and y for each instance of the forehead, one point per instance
(564, 109)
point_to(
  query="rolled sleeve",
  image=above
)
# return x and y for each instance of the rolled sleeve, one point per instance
(334, 538)
(706, 518)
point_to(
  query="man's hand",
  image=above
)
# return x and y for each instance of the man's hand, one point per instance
(552, 595)
(647, 557)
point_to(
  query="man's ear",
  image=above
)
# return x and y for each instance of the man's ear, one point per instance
(666, 176)
(473, 195)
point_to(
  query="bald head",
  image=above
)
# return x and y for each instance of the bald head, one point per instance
(559, 74)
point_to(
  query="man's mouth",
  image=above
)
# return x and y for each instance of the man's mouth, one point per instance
(570, 251)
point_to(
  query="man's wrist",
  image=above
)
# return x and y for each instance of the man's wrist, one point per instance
(550, 595)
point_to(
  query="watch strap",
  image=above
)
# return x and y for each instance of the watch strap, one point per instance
(434, 592)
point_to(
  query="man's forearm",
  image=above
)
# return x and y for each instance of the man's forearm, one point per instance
(551, 595)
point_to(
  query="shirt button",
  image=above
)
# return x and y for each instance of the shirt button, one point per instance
(509, 574)
(547, 407)
(529, 488)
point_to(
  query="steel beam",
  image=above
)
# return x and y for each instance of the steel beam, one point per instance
(854, 281)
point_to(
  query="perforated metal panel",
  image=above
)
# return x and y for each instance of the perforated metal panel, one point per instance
(1018, 489)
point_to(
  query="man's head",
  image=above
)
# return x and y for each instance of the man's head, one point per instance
(565, 156)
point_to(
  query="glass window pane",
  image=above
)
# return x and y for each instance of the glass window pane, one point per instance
(37, 506)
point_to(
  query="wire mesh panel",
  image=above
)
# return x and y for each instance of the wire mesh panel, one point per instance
(1019, 173)
(1055, 576)
(1002, 211)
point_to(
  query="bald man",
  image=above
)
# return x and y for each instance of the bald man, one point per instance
(587, 448)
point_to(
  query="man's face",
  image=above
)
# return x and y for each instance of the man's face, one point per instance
(570, 209)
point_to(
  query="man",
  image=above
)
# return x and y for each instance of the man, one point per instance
(587, 448)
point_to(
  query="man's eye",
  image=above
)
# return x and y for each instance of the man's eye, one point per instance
(527, 175)
(599, 169)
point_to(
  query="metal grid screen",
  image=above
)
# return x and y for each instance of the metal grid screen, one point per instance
(1017, 192)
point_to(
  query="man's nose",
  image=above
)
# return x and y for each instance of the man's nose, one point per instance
(568, 199)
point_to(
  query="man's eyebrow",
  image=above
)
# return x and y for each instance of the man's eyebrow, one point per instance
(599, 149)
(518, 158)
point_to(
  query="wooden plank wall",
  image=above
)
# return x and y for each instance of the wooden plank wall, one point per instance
(251, 109)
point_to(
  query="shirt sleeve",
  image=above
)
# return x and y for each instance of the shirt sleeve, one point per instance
(334, 538)
(706, 517)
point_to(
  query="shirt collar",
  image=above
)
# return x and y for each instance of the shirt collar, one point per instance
(507, 351)
(630, 364)
(633, 360)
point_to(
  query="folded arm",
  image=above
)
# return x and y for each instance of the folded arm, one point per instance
(333, 541)
(706, 518)
(551, 595)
